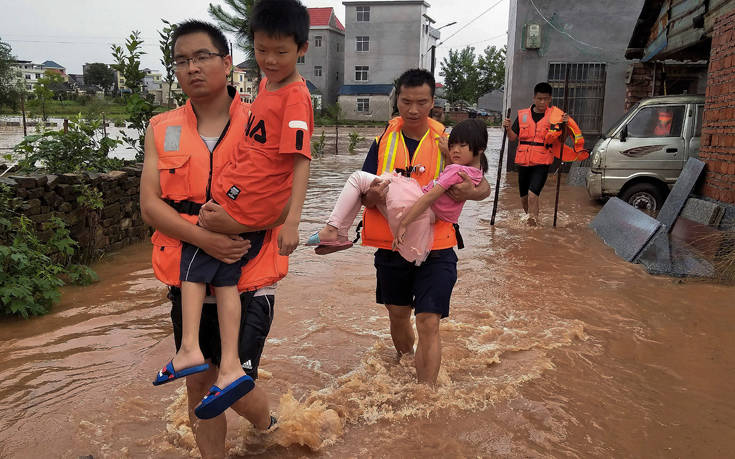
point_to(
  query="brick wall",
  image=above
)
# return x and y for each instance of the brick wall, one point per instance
(111, 228)
(718, 129)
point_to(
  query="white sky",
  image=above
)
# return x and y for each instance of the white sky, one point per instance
(77, 31)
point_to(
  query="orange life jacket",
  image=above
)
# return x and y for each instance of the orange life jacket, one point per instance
(184, 164)
(540, 142)
(663, 124)
(427, 162)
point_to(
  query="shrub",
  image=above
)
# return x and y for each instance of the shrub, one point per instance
(355, 138)
(317, 146)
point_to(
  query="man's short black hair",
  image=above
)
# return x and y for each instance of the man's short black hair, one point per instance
(414, 78)
(279, 18)
(193, 26)
(543, 88)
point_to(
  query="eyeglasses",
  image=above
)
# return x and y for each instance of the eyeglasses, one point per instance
(182, 63)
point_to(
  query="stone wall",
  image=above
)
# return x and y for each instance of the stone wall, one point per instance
(117, 224)
(718, 130)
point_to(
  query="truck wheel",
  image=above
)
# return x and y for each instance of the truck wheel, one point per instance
(644, 196)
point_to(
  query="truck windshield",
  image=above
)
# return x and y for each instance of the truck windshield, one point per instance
(617, 122)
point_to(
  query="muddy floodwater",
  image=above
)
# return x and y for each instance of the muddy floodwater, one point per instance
(555, 347)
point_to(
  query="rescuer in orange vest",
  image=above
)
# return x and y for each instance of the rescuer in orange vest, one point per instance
(410, 144)
(534, 153)
(185, 149)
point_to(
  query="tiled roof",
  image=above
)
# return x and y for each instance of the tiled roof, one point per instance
(52, 64)
(360, 89)
(320, 17)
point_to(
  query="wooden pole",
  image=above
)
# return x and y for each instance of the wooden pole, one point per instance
(561, 147)
(500, 169)
(104, 125)
(23, 110)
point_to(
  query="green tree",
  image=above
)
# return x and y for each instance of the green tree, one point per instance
(128, 61)
(461, 75)
(99, 74)
(491, 67)
(237, 23)
(44, 90)
(138, 108)
(8, 76)
(167, 55)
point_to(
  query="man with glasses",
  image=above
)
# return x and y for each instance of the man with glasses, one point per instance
(184, 150)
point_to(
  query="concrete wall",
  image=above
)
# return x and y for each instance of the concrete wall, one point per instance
(113, 227)
(330, 56)
(604, 27)
(395, 33)
(380, 108)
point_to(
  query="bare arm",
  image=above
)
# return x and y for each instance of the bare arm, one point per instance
(512, 136)
(417, 209)
(215, 218)
(164, 218)
(288, 238)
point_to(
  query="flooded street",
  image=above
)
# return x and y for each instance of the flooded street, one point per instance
(554, 347)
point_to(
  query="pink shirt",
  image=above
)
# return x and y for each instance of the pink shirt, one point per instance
(445, 207)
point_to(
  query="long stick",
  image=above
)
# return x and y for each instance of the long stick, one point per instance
(563, 138)
(500, 168)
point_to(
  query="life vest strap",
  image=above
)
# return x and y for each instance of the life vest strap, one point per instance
(460, 242)
(184, 207)
(534, 144)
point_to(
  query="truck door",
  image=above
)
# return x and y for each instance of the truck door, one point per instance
(696, 129)
(654, 144)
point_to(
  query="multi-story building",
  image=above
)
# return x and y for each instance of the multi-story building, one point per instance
(245, 80)
(29, 73)
(384, 38)
(323, 64)
(151, 81)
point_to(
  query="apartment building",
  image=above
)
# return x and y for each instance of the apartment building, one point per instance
(323, 64)
(383, 39)
(245, 82)
(29, 72)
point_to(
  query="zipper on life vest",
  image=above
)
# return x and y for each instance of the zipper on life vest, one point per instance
(211, 159)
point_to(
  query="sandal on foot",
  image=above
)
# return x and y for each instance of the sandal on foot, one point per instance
(168, 374)
(218, 400)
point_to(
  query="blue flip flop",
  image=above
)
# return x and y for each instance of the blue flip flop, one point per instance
(168, 374)
(218, 400)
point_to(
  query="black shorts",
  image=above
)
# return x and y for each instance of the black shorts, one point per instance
(426, 288)
(200, 267)
(532, 178)
(256, 317)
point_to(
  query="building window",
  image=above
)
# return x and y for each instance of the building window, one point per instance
(362, 44)
(363, 104)
(361, 72)
(317, 70)
(301, 59)
(249, 90)
(318, 41)
(29, 86)
(28, 76)
(363, 14)
(586, 96)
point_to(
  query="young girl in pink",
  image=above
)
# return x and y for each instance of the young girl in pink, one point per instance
(409, 209)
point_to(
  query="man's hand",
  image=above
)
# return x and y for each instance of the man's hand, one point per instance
(223, 247)
(444, 145)
(288, 239)
(400, 234)
(213, 217)
(376, 193)
(462, 191)
(506, 123)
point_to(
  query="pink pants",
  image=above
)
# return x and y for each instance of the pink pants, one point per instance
(403, 192)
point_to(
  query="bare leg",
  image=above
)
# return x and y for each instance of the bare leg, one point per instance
(192, 298)
(428, 350)
(401, 329)
(532, 208)
(524, 203)
(228, 311)
(254, 407)
(210, 433)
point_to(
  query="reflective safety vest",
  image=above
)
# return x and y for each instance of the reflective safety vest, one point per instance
(425, 166)
(540, 142)
(185, 168)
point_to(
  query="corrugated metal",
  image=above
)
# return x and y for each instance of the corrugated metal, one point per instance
(674, 30)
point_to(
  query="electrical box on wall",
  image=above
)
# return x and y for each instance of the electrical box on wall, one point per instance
(533, 36)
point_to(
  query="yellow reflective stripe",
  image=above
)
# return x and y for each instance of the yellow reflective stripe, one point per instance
(388, 153)
(394, 150)
(420, 143)
(439, 164)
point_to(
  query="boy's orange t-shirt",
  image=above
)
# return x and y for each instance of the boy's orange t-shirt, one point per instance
(255, 185)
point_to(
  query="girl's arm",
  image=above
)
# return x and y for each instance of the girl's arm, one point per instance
(417, 209)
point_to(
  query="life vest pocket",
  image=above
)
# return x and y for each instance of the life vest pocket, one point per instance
(174, 176)
(166, 258)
